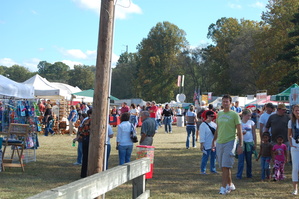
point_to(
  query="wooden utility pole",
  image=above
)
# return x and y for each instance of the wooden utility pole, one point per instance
(101, 89)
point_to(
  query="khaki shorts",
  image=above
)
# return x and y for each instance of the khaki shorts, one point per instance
(226, 153)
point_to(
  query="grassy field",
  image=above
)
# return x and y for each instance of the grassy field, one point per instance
(176, 172)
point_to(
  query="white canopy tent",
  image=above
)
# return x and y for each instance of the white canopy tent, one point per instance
(45, 89)
(67, 88)
(10, 88)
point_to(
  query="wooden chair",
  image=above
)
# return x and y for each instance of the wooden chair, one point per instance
(16, 139)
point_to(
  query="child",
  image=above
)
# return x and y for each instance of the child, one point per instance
(279, 156)
(265, 154)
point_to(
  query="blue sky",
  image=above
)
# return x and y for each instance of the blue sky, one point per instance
(67, 30)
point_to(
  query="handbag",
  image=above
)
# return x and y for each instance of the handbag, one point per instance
(133, 134)
(211, 128)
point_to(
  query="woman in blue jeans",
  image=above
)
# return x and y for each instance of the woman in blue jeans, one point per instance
(167, 115)
(249, 138)
(124, 144)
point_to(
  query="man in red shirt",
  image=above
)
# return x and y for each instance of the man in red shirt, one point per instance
(124, 108)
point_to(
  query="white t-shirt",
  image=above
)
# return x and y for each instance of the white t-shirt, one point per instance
(206, 136)
(264, 118)
(248, 136)
(290, 127)
(290, 124)
(133, 111)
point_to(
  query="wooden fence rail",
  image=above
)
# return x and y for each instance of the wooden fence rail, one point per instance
(100, 183)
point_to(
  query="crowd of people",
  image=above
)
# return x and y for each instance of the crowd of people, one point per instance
(224, 135)
(230, 133)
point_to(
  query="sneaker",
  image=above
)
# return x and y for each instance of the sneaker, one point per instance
(77, 163)
(223, 191)
(214, 172)
(166, 132)
(170, 132)
(295, 192)
(230, 188)
(203, 173)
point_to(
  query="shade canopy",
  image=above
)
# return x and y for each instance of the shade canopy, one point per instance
(10, 88)
(89, 93)
(44, 89)
(284, 96)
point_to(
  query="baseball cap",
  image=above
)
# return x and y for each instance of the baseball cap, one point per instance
(281, 106)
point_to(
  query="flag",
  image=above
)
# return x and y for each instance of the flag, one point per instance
(183, 79)
(195, 96)
(179, 80)
(209, 95)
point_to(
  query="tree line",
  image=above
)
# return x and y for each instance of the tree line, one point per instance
(246, 56)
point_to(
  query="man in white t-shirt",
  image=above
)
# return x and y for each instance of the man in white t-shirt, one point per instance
(264, 118)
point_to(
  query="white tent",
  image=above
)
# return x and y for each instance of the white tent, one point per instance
(45, 89)
(10, 88)
(67, 88)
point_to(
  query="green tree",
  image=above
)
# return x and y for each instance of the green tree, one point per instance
(18, 73)
(124, 76)
(223, 34)
(291, 54)
(271, 43)
(81, 76)
(57, 72)
(2, 70)
(157, 66)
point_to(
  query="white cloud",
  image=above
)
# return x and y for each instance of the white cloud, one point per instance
(123, 7)
(71, 63)
(76, 53)
(258, 4)
(234, 6)
(114, 60)
(31, 64)
(7, 62)
(88, 55)
(126, 7)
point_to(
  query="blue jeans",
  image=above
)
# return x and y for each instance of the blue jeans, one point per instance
(168, 124)
(190, 129)
(247, 156)
(124, 153)
(108, 154)
(205, 158)
(49, 128)
(79, 153)
(133, 120)
(265, 165)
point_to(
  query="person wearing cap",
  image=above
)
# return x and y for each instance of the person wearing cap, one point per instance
(210, 107)
(207, 130)
(278, 123)
(269, 110)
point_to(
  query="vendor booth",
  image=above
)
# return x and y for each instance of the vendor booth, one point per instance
(57, 93)
(284, 96)
(18, 106)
